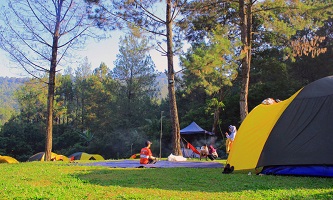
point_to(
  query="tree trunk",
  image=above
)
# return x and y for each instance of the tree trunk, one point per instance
(171, 85)
(51, 85)
(245, 14)
(50, 100)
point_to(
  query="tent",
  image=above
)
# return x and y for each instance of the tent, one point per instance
(194, 128)
(292, 137)
(85, 156)
(8, 159)
(97, 157)
(40, 157)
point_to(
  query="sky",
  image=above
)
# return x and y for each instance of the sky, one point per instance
(96, 52)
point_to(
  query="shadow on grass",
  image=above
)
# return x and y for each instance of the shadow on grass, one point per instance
(201, 179)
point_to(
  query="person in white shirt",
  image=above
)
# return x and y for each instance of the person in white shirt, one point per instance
(204, 152)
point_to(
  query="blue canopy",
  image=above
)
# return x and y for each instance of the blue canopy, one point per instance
(194, 128)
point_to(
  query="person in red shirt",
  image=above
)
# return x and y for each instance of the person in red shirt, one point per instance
(146, 156)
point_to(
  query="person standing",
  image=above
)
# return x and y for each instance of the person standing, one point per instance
(146, 156)
(230, 137)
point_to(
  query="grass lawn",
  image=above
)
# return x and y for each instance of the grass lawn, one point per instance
(57, 180)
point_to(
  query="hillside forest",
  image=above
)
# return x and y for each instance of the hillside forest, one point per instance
(113, 110)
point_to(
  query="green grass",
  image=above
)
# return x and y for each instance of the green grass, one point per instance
(57, 180)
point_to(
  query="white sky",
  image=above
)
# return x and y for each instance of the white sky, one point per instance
(96, 52)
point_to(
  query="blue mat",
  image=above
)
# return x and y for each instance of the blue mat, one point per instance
(159, 164)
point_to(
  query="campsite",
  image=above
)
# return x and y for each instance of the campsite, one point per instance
(228, 99)
(89, 176)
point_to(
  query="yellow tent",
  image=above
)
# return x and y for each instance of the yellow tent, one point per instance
(85, 156)
(291, 137)
(253, 133)
(55, 157)
(7, 159)
(98, 157)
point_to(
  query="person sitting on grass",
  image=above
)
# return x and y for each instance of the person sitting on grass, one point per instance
(146, 156)
(204, 152)
(212, 153)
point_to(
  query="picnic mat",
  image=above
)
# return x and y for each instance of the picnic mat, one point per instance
(159, 164)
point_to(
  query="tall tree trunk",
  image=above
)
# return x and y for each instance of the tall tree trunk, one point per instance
(245, 13)
(51, 85)
(171, 85)
(50, 100)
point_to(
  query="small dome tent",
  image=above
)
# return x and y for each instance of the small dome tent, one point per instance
(85, 156)
(40, 157)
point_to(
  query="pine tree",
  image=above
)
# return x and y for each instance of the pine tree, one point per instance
(136, 73)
